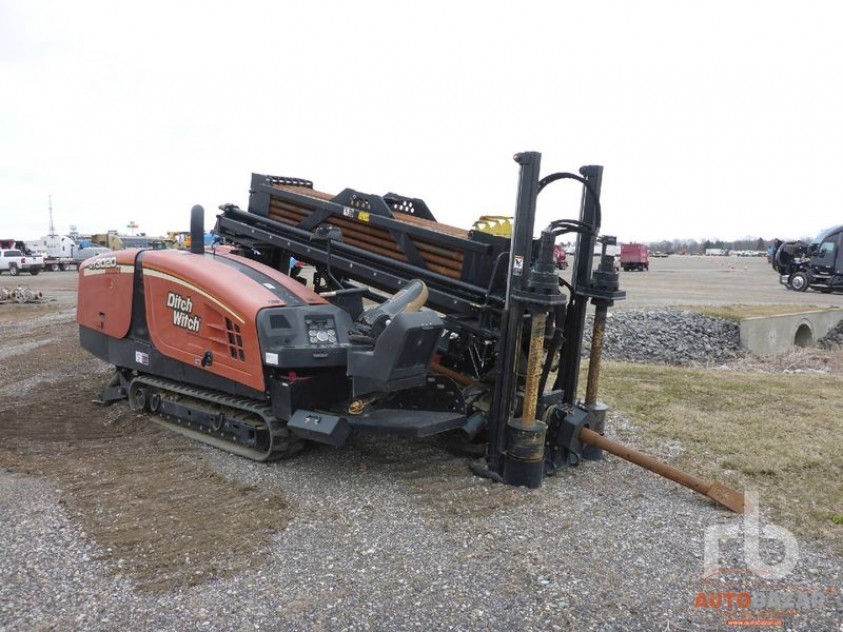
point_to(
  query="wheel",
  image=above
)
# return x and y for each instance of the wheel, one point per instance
(34, 271)
(137, 401)
(62, 267)
(13, 269)
(154, 402)
(54, 267)
(798, 281)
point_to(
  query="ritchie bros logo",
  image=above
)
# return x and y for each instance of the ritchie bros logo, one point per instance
(183, 315)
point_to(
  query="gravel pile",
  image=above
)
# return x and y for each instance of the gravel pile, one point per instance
(669, 337)
(833, 339)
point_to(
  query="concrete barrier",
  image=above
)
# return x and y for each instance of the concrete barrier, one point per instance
(769, 335)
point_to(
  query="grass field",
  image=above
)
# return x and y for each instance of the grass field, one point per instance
(737, 312)
(779, 434)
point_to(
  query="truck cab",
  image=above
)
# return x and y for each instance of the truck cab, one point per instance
(817, 266)
(827, 254)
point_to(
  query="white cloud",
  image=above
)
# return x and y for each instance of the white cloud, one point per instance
(711, 119)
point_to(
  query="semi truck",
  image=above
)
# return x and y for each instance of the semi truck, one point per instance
(816, 266)
(59, 251)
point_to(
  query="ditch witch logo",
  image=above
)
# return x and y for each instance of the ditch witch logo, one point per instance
(752, 600)
(183, 315)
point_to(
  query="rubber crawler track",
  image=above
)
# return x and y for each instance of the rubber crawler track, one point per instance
(282, 443)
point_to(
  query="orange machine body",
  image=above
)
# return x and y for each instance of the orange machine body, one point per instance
(199, 311)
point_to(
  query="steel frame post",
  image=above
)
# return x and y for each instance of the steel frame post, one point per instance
(569, 364)
(512, 322)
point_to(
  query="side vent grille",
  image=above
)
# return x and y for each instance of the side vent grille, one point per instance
(235, 340)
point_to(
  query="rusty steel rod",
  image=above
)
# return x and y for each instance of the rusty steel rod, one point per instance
(721, 494)
(534, 368)
(385, 248)
(596, 355)
(459, 378)
(377, 240)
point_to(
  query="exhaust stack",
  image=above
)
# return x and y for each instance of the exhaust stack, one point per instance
(197, 230)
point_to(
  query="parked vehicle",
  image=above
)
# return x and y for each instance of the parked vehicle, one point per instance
(86, 252)
(635, 257)
(817, 266)
(14, 262)
(560, 257)
(59, 251)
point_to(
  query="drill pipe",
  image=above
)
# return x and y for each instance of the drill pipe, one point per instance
(600, 313)
(719, 493)
(534, 369)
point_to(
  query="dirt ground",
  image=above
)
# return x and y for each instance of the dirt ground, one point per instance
(136, 489)
(165, 533)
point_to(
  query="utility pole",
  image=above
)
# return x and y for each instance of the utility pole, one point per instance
(52, 227)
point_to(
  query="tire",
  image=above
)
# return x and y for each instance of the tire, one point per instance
(798, 282)
(13, 269)
(54, 267)
(62, 267)
(34, 271)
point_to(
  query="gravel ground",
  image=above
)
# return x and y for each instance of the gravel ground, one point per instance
(409, 543)
(833, 339)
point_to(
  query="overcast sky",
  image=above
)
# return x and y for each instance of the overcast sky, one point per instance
(712, 119)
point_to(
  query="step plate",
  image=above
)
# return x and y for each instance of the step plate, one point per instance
(412, 423)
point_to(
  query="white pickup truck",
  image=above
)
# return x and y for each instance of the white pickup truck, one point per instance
(14, 262)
